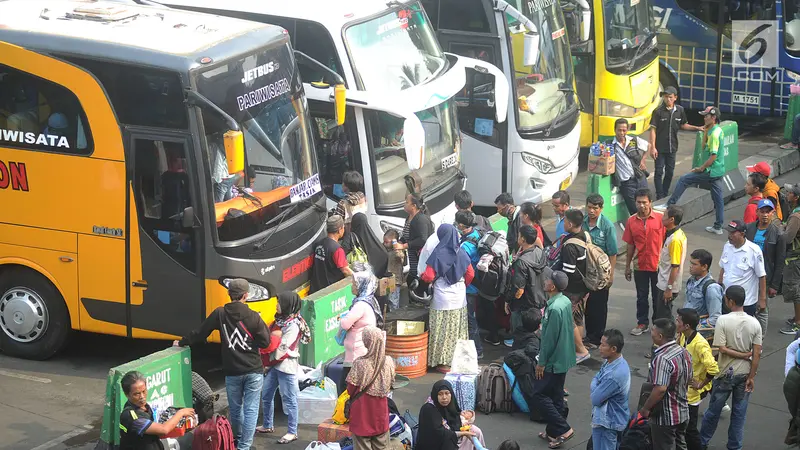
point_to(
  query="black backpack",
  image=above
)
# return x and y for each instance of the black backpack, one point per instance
(492, 282)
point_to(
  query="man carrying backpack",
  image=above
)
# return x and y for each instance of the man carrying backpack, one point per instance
(527, 281)
(463, 201)
(703, 293)
(604, 235)
(470, 238)
(573, 263)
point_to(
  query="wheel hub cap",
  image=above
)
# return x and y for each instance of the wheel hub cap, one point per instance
(23, 314)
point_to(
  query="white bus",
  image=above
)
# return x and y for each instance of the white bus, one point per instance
(402, 129)
(534, 153)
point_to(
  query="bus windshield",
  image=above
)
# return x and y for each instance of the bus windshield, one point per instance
(395, 51)
(540, 89)
(264, 94)
(629, 29)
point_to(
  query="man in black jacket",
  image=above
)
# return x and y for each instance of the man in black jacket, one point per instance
(526, 280)
(242, 333)
(506, 208)
(573, 261)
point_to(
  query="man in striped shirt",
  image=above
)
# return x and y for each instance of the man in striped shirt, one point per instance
(670, 372)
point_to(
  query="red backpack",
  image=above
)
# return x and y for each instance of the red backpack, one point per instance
(214, 434)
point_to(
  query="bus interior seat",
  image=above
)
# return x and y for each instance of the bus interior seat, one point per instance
(391, 173)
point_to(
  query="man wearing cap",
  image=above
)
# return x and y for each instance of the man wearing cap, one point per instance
(667, 119)
(242, 332)
(791, 236)
(556, 357)
(754, 187)
(742, 264)
(330, 261)
(711, 171)
(771, 189)
(766, 233)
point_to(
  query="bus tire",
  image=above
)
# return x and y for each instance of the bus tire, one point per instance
(34, 319)
(665, 79)
(202, 398)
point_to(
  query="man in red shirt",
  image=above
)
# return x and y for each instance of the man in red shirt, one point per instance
(644, 234)
(754, 187)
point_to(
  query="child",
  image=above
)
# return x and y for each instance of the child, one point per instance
(396, 258)
(526, 337)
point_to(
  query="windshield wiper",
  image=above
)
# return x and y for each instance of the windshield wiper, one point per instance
(644, 45)
(566, 88)
(279, 218)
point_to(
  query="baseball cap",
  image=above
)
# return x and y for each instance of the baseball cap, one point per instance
(238, 287)
(669, 90)
(713, 110)
(559, 279)
(737, 225)
(762, 167)
(793, 188)
(764, 203)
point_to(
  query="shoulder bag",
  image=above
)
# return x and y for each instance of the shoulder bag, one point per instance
(352, 399)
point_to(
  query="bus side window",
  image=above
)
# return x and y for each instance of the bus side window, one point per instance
(476, 114)
(337, 146)
(37, 114)
(315, 41)
(464, 15)
(162, 188)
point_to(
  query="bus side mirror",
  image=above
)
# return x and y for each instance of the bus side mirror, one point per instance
(586, 25)
(340, 102)
(187, 220)
(234, 150)
(414, 143)
(530, 46)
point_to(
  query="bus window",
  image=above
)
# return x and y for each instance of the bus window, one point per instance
(37, 114)
(315, 41)
(476, 100)
(162, 188)
(471, 16)
(335, 146)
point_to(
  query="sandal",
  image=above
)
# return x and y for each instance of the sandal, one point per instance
(264, 430)
(285, 440)
(543, 436)
(559, 441)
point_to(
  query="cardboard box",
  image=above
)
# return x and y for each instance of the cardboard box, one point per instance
(406, 328)
(386, 286)
(328, 431)
(602, 165)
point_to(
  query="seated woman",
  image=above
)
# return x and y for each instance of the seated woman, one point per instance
(441, 421)
(138, 429)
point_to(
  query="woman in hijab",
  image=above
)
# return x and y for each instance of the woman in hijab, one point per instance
(361, 234)
(280, 360)
(363, 312)
(450, 271)
(440, 422)
(371, 380)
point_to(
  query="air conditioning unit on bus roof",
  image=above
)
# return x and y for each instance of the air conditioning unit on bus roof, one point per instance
(101, 13)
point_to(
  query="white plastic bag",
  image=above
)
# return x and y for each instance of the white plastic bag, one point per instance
(318, 445)
(465, 358)
(315, 404)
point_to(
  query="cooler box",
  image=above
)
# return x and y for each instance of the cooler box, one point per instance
(327, 431)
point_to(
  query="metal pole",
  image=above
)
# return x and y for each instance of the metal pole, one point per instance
(720, 24)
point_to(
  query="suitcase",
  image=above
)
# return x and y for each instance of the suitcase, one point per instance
(333, 369)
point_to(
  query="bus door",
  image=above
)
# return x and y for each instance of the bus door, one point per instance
(166, 239)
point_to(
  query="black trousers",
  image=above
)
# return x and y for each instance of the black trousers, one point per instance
(665, 167)
(692, 432)
(628, 191)
(596, 315)
(485, 315)
(645, 285)
(548, 397)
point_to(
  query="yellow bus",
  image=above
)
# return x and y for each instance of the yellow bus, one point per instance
(616, 68)
(147, 156)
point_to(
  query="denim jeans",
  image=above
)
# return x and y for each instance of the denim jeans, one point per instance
(665, 166)
(722, 388)
(605, 438)
(645, 281)
(716, 192)
(472, 321)
(243, 393)
(289, 391)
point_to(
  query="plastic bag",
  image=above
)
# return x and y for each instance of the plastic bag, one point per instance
(338, 413)
(318, 445)
(465, 358)
(342, 333)
(324, 390)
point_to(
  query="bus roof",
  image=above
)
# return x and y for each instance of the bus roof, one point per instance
(312, 10)
(126, 32)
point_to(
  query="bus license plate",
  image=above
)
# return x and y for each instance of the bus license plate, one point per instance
(565, 184)
(450, 161)
(745, 99)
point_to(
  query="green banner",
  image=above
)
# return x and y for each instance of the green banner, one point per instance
(321, 311)
(169, 383)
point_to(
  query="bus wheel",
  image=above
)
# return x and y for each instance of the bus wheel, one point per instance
(34, 320)
(202, 398)
(665, 79)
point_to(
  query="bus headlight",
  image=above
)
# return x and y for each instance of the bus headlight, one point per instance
(541, 164)
(616, 109)
(792, 75)
(256, 292)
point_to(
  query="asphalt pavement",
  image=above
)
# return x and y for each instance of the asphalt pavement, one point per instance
(57, 404)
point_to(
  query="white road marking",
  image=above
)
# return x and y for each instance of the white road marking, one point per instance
(60, 440)
(24, 377)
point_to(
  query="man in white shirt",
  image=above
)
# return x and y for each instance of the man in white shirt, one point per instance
(742, 264)
(631, 172)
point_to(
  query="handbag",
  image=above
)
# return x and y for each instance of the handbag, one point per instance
(357, 254)
(349, 402)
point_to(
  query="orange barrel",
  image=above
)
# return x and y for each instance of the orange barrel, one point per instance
(410, 354)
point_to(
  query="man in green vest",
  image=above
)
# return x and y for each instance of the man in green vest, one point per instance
(709, 172)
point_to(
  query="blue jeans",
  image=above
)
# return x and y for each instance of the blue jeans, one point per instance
(472, 322)
(289, 392)
(716, 192)
(605, 438)
(722, 389)
(243, 392)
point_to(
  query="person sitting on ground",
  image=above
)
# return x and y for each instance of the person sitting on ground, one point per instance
(138, 429)
(703, 293)
(754, 187)
(369, 383)
(354, 200)
(463, 201)
(364, 312)
(440, 422)
(527, 337)
(771, 189)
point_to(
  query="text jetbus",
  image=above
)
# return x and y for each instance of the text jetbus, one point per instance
(148, 155)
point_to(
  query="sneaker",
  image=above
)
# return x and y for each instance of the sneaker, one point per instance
(789, 146)
(639, 330)
(714, 230)
(508, 343)
(790, 329)
(726, 409)
(492, 340)
(480, 355)
(790, 321)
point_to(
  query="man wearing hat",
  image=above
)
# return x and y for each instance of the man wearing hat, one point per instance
(771, 189)
(742, 264)
(711, 171)
(667, 119)
(791, 273)
(242, 332)
(766, 234)
(330, 260)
